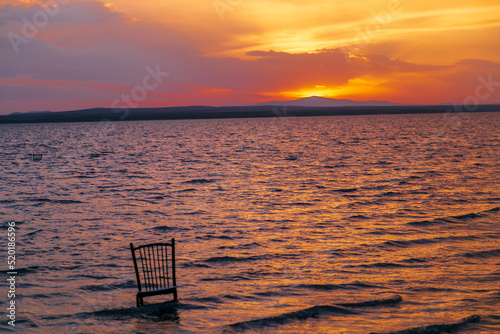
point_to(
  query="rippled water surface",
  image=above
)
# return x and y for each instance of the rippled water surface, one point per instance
(282, 225)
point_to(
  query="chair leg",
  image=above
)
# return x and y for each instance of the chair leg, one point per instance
(175, 296)
(139, 301)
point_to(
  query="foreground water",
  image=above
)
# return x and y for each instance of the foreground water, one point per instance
(282, 224)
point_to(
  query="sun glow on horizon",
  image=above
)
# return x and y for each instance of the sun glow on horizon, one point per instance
(358, 87)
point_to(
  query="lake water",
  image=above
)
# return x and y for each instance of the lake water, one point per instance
(280, 223)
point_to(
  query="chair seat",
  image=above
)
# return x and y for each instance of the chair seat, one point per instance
(157, 292)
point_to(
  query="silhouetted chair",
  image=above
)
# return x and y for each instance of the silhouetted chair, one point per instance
(154, 269)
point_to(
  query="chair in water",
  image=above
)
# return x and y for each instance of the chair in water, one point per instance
(155, 270)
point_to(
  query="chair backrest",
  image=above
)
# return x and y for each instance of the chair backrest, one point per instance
(151, 263)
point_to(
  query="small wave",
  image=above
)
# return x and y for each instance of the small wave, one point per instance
(358, 217)
(482, 254)
(468, 216)
(378, 187)
(321, 287)
(424, 223)
(277, 240)
(415, 260)
(194, 265)
(454, 219)
(300, 204)
(337, 254)
(192, 161)
(422, 192)
(380, 265)
(83, 176)
(155, 212)
(109, 287)
(199, 181)
(98, 154)
(409, 243)
(390, 193)
(186, 190)
(160, 197)
(213, 300)
(433, 289)
(154, 312)
(33, 233)
(346, 190)
(130, 176)
(397, 243)
(436, 329)
(236, 297)
(311, 312)
(493, 210)
(335, 166)
(139, 190)
(246, 246)
(66, 201)
(368, 202)
(225, 259)
(330, 287)
(273, 293)
(236, 278)
(211, 236)
(39, 199)
(192, 213)
(168, 228)
(377, 302)
(7, 201)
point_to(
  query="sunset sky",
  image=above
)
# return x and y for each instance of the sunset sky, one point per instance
(64, 54)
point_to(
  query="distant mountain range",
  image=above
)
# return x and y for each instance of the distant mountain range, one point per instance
(323, 102)
(311, 106)
(312, 102)
(31, 112)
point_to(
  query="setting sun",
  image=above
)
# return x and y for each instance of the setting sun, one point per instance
(355, 88)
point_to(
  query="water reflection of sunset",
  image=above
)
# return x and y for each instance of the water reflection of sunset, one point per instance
(277, 225)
